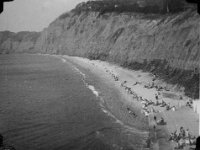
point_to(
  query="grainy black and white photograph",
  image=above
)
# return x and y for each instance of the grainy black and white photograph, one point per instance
(99, 75)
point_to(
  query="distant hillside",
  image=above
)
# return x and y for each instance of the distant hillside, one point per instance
(17, 42)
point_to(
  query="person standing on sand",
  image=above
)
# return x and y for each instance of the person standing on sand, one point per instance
(187, 133)
(155, 123)
(156, 96)
(155, 118)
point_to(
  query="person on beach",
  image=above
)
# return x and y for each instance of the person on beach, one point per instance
(157, 102)
(173, 108)
(182, 132)
(156, 96)
(163, 103)
(154, 126)
(155, 118)
(161, 121)
(131, 112)
(187, 134)
(168, 107)
(152, 85)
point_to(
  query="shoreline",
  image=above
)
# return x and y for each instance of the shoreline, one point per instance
(135, 80)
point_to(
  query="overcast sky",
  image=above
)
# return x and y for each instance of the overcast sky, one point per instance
(33, 15)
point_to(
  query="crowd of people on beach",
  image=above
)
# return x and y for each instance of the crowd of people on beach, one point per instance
(157, 87)
(182, 138)
(146, 110)
(148, 106)
(189, 103)
(164, 104)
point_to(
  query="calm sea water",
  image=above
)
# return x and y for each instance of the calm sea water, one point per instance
(46, 104)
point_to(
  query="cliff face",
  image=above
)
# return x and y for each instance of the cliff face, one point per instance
(127, 38)
(17, 42)
(167, 45)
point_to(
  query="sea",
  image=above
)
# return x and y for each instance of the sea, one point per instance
(48, 103)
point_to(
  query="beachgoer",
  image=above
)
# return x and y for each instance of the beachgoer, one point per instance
(146, 113)
(154, 127)
(181, 143)
(131, 112)
(187, 141)
(173, 108)
(182, 132)
(155, 118)
(192, 140)
(190, 100)
(152, 84)
(162, 120)
(156, 96)
(168, 107)
(175, 134)
(187, 133)
(157, 103)
(171, 137)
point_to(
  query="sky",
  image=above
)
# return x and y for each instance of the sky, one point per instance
(33, 15)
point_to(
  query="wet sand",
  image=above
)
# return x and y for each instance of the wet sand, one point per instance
(137, 81)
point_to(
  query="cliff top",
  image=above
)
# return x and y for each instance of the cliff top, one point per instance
(141, 6)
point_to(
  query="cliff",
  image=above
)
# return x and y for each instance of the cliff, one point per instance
(17, 42)
(167, 45)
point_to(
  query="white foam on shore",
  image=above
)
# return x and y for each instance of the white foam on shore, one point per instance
(96, 93)
(93, 90)
(91, 87)
(81, 73)
(63, 60)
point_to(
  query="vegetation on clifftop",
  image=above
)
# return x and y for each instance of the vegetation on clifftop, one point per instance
(119, 6)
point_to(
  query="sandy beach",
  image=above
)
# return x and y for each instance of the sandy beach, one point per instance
(137, 89)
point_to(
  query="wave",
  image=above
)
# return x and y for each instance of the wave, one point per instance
(63, 60)
(81, 73)
(93, 90)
